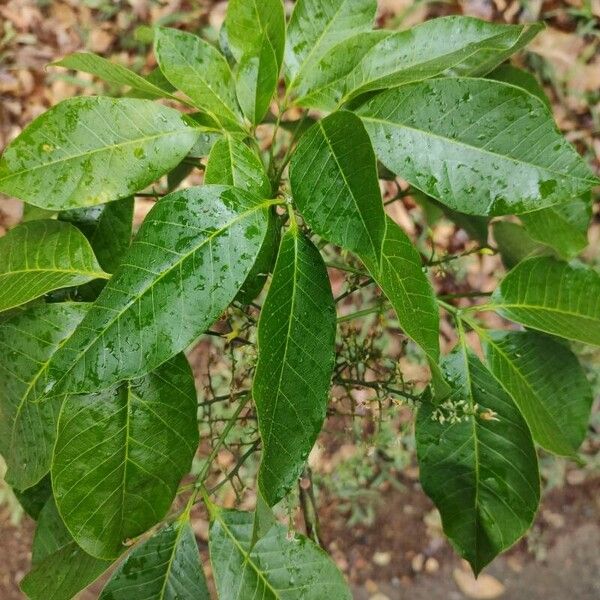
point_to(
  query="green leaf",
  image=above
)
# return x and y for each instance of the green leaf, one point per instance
(452, 45)
(264, 263)
(108, 228)
(111, 72)
(185, 266)
(317, 26)
(400, 276)
(547, 383)
(322, 87)
(35, 213)
(56, 163)
(522, 79)
(477, 462)
(276, 567)
(40, 256)
(480, 147)
(256, 36)
(199, 71)
(61, 569)
(120, 455)
(556, 297)
(515, 244)
(251, 25)
(563, 227)
(296, 352)
(34, 498)
(256, 79)
(232, 162)
(333, 175)
(28, 340)
(164, 567)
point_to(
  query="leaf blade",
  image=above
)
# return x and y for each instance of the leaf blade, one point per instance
(314, 27)
(38, 257)
(540, 373)
(149, 139)
(116, 448)
(293, 374)
(202, 243)
(481, 470)
(486, 159)
(29, 339)
(199, 71)
(552, 296)
(164, 567)
(294, 569)
(336, 154)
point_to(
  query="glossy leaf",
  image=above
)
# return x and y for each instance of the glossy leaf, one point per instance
(477, 462)
(523, 79)
(333, 175)
(317, 26)
(120, 455)
(323, 87)
(28, 340)
(232, 162)
(164, 567)
(515, 244)
(480, 147)
(556, 297)
(256, 36)
(296, 350)
(276, 567)
(256, 79)
(199, 71)
(547, 383)
(56, 163)
(452, 45)
(186, 264)
(401, 278)
(61, 569)
(253, 24)
(108, 228)
(111, 72)
(40, 256)
(564, 227)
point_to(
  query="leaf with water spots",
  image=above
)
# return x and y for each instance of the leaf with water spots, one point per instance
(111, 72)
(201, 72)
(120, 455)
(28, 340)
(296, 352)
(477, 461)
(256, 36)
(480, 147)
(317, 26)
(547, 383)
(60, 568)
(108, 227)
(164, 567)
(91, 150)
(38, 257)
(552, 296)
(188, 261)
(333, 175)
(277, 567)
(454, 45)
